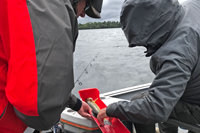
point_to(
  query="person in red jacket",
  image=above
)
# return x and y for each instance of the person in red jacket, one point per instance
(37, 41)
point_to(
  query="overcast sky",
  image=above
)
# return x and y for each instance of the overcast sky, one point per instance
(110, 12)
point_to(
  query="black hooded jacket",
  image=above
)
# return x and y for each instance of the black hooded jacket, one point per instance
(171, 34)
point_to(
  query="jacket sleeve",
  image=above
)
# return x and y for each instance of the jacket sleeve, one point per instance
(74, 102)
(173, 67)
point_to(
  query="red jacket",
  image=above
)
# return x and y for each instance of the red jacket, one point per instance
(37, 40)
(9, 122)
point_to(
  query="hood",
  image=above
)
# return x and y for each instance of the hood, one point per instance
(148, 23)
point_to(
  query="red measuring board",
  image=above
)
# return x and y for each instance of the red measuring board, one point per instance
(116, 125)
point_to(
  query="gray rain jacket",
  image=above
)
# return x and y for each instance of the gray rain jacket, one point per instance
(55, 29)
(171, 34)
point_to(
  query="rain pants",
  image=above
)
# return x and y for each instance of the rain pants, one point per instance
(37, 41)
(171, 34)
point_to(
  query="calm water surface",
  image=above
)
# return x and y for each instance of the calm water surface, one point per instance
(116, 66)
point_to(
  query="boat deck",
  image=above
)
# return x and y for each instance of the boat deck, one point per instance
(74, 117)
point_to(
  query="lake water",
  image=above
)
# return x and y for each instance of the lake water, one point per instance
(116, 66)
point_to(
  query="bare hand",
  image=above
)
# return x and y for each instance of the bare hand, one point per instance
(84, 111)
(102, 114)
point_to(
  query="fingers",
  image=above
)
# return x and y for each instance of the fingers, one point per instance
(101, 116)
(101, 121)
(86, 106)
(88, 116)
(84, 111)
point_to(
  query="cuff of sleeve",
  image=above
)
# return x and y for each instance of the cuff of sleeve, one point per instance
(78, 105)
(108, 111)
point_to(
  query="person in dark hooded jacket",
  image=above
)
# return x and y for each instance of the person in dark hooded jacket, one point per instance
(171, 34)
(37, 41)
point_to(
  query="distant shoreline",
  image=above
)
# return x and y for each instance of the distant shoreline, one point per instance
(99, 28)
(99, 25)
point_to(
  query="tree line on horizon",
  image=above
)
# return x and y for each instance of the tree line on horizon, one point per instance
(99, 25)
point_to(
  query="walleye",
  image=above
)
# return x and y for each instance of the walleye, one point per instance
(93, 105)
(96, 109)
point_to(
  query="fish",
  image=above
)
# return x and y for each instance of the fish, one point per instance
(95, 109)
(93, 105)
